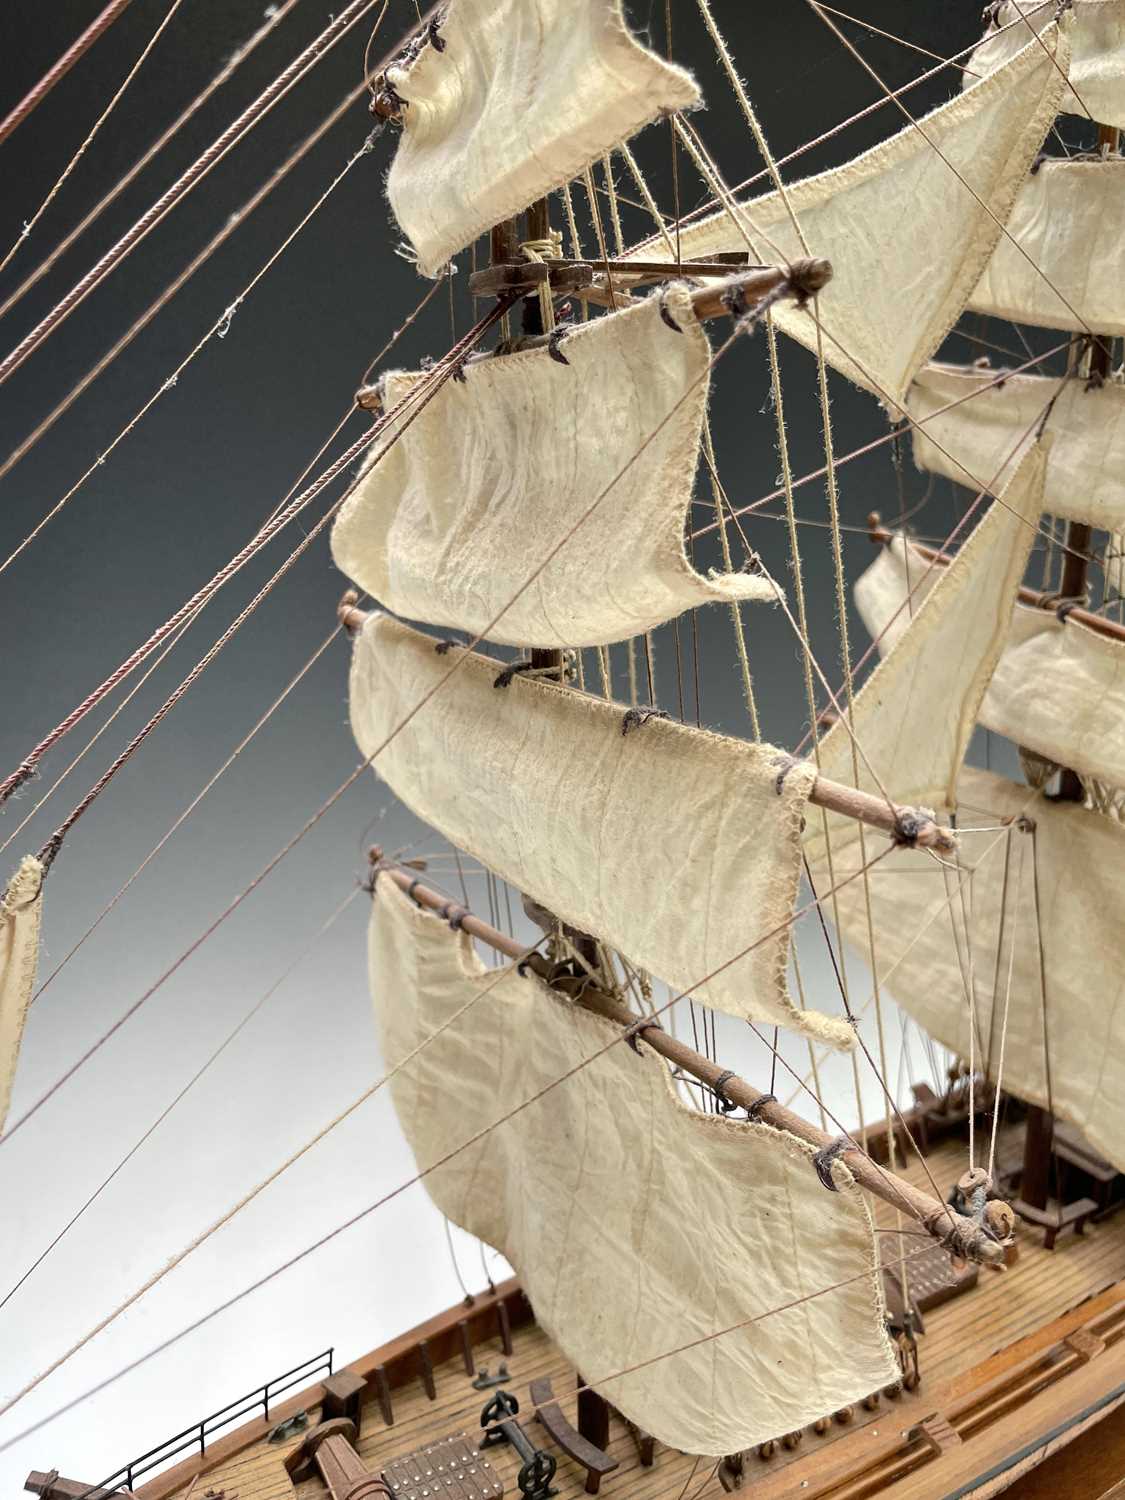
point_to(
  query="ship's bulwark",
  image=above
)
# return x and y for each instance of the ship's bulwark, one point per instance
(637, 1225)
(518, 97)
(523, 447)
(1081, 873)
(679, 848)
(907, 227)
(20, 913)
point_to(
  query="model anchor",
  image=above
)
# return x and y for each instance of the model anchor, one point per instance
(499, 1418)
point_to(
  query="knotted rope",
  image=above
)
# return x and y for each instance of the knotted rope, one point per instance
(539, 251)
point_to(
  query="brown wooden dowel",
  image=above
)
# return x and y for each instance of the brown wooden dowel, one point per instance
(941, 1221)
(732, 294)
(913, 826)
(61, 67)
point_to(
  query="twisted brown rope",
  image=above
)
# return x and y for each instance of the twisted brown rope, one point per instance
(58, 70)
(27, 767)
(423, 394)
(237, 58)
(189, 179)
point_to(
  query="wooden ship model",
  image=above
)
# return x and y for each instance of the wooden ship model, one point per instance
(711, 1289)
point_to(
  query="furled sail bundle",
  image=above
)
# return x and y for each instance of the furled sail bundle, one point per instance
(1058, 688)
(517, 97)
(661, 1226)
(1079, 859)
(428, 532)
(678, 847)
(1066, 268)
(972, 426)
(20, 912)
(914, 715)
(909, 225)
(1097, 40)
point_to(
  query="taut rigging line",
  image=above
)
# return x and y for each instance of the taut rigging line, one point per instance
(351, 411)
(936, 1217)
(261, 537)
(90, 136)
(423, 394)
(58, 70)
(217, 328)
(193, 175)
(229, 68)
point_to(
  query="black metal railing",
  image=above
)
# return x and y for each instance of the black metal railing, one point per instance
(197, 1436)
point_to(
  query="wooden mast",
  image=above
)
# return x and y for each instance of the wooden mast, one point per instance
(970, 1238)
(1038, 1148)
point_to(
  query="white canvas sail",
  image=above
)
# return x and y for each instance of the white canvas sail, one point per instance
(1097, 64)
(20, 912)
(522, 448)
(914, 715)
(678, 847)
(1058, 688)
(1081, 872)
(655, 1225)
(908, 239)
(1067, 267)
(988, 427)
(521, 96)
(890, 592)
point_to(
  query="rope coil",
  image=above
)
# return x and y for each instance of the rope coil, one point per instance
(726, 1105)
(539, 251)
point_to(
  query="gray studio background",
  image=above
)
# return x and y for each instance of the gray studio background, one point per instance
(171, 504)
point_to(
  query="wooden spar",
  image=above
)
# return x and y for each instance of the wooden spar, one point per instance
(942, 1222)
(834, 796)
(736, 293)
(1109, 628)
(724, 264)
(732, 297)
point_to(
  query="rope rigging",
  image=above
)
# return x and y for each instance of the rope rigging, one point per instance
(193, 175)
(289, 510)
(89, 139)
(58, 71)
(219, 328)
(362, 1098)
(274, 18)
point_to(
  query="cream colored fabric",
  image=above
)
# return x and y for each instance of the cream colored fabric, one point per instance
(670, 844)
(521, 451)
(1081, 860)
(907, 239)
(992, 426)
(890, 592)
(20, 911)
(637, 1225)
(524, 95)
(1058, 688)
(914, 715)
(1069, 225)
(1097, 65)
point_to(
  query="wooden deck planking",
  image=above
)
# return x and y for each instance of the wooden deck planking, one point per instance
(960, 1334)
(1006, 1305)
